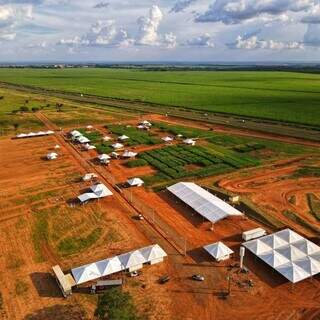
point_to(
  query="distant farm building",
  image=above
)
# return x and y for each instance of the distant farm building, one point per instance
(129, 154)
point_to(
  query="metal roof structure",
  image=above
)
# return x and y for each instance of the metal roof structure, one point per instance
(115, 264)
(117, 146)
(292, 255)
(218, 250)
(206, 204)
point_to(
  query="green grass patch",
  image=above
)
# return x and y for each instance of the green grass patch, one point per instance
(136, 163)
(137, 137)
(314, 205)
(297, 219)
(21, 287)
(93, 136)
(307, 172)
(72, 245)
(40, 234)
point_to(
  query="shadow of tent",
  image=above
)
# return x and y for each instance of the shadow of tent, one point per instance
(58, 312)
(45, 284)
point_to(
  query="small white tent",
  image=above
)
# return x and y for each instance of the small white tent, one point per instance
(123, 137)
(189, 142)
(117, 146)
(167, 139)
(129, 154)
(52, 156)
(135, 182)
(89, 176)
(219, 251)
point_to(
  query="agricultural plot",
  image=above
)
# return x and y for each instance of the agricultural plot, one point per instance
(280, 96)
(176, 162)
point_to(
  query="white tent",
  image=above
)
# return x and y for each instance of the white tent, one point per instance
(89, 127)
(106, 138)
(114, 155)
(190, 142)
(129, 261)
(219, 251)
(83, 139)
(129, 154)
(153, 254)
(167, 139)
(52, 156)
(21, 135)
(141, 127)
(89, 176)
(123, 137)
(295, 257)
(50, 132)
(57, 146)
(75, 134)
(89, 147)
(87, 196)
(135, 182)
(103, 157)
(101, 190)
(146, 123)
(117, 146)
(206, 204)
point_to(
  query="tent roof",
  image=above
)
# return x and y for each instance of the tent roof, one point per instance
(83, 139)
(101, 190)
(202, 201)
(135, 181)
(218, 250)
(123, 137)
(295, 257)
(104, 157)
(167, 139)
(129, 154)
(117, 146)
(102, 268)
(87, 196)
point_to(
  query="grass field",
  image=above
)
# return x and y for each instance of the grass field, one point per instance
(281, 96)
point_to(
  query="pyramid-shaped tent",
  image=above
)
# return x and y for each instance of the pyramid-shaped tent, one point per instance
(293, 272)
(218, 250)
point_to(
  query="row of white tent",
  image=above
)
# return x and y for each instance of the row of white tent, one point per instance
(287, 252)
(203, 202)
(97, 191)
(79, 137)
(130, 261)
(34, 134)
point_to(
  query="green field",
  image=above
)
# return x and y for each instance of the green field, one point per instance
(284, 96)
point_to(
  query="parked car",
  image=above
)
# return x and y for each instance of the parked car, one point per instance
(134, 274)
(164, 279)
(198, 277)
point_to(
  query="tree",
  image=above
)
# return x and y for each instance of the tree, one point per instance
(35, 109)
(116, 305)
(24, 109)
(59, 106)
(16, 126)
(1, 97)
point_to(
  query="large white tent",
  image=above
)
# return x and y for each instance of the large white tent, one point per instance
(34, 134)
(295, 257)
(129, 261)
(98, 191)
(203, 202)
(218, 250)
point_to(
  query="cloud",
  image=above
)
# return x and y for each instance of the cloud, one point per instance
(170, 40)
(101, 5)
(237, 11)
(101, 34)
(7, 36)
(181, 5)
(148, 27)
(313, 16)
(253, 43)
(203, 40)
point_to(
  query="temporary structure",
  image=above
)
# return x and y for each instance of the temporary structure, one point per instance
(65, 282)
(75, 134)
(123, 137)
(117, 146)
(145, 123)
(83, 139)
(114, 155)
(57, 146)
(106, 138)
(129, 154)
(89, 147)
(103, 158)
(167, 139)
(219, 251)
(130, 261)
(85, 197)
(293, 256)
(135, 182)
(52, 156)
(89, 127)
(189, 142)
(206, 204)
(89, 176)
(101, 190)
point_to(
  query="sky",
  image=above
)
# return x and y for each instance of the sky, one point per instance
(159, 30)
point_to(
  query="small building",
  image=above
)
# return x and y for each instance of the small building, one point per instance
(89, 176)
(219, 251)
(189, 142)
(135, 182)
(65, 282)
(52, 156)
(97, 191)
(167, 139)
(253, 234)
(123, 138)
(129, 154)
(234, 199)
(75, 134)
(104, 158)
(117, 146)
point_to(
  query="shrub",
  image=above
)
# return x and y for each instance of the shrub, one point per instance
(136, 163)
(24, 109)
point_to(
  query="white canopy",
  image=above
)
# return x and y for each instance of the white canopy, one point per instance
(295, 257)
(87, 196)
(218, 250)
(107, 138)
(103, 157)
(89, 126)
(123, 137)
(89, 176)
(21, 135)
(101, 190)
(203, 202)
(135, 182)
(83, 139)
(146, 123)
(89, 147)
(115, 264)
(75, 133)
(117, 146)
(52, 156)
(129, 154)
(167, 139)
(189, 141)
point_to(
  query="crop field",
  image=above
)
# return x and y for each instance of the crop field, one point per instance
(283, 96)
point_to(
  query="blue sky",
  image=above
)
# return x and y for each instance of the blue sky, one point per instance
(162, 30)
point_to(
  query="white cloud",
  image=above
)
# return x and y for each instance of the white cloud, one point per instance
(170, 40)
(204, 40)
(236, 11)
(313, 16)
(148, 27)
(253, 43)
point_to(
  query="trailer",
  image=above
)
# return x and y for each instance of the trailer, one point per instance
(253, 234)
(105, 284)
